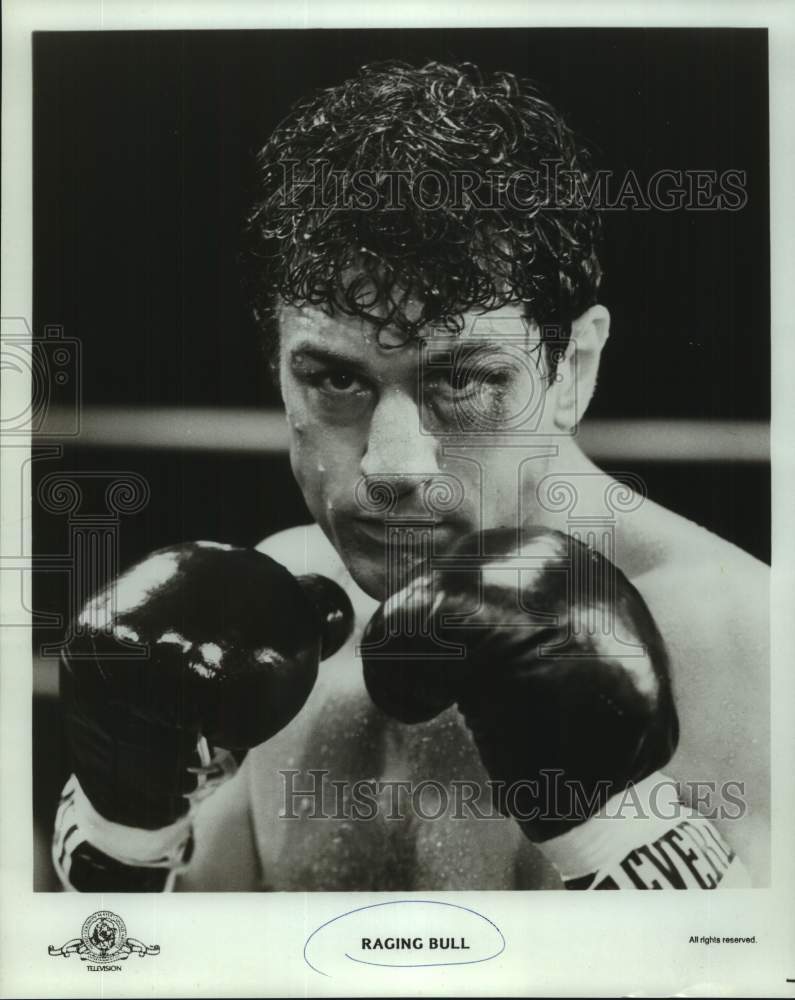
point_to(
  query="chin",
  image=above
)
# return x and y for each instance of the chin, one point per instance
(368, 575)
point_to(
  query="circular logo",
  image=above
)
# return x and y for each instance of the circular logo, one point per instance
(104, 935)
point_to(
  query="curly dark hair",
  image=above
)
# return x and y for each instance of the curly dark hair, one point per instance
(326, 229)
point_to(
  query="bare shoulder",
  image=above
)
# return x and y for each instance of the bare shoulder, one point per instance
(693, 580)
(711, 591)
(710, 601)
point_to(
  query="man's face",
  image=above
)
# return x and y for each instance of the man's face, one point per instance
(452, 430)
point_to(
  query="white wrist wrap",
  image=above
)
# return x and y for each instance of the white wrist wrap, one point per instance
(78, 822)
(130, 845)
(626, 819)
(645, 837)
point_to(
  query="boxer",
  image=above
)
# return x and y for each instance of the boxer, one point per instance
(421, 347)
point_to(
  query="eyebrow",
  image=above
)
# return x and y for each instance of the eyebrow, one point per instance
(327, 355)
(433, 356)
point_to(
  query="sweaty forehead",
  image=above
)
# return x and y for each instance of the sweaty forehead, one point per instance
(308, 323)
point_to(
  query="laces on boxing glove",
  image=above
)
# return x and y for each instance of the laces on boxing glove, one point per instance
(94, 854)
(216, 767)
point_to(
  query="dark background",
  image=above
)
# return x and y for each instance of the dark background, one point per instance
(143, 171)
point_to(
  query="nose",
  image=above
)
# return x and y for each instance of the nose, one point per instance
(397, 447)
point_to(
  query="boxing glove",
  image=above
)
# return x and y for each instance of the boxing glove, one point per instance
(561, 675)
(191, 657)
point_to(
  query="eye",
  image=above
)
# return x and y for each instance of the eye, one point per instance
(338, 381)
(334, 380)
(338, 392)
(469, 396)
(465, 380)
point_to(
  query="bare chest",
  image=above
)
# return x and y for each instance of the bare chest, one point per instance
(346, 799)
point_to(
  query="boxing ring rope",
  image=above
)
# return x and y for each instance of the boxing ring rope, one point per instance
(264, 431)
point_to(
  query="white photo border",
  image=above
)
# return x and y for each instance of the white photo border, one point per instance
(252, 944)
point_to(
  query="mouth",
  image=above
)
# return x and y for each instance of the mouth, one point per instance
(405, 537)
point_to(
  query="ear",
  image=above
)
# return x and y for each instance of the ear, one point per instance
(576, 373)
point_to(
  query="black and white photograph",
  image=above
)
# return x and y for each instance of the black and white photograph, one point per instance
(397, 515)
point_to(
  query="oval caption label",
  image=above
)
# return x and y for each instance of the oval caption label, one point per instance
(403, 934)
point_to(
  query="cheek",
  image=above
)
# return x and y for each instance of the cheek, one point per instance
(325, 462)
(500, 489)
(306, 447)
(310, 466)
(487, 483)
(500, 484)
